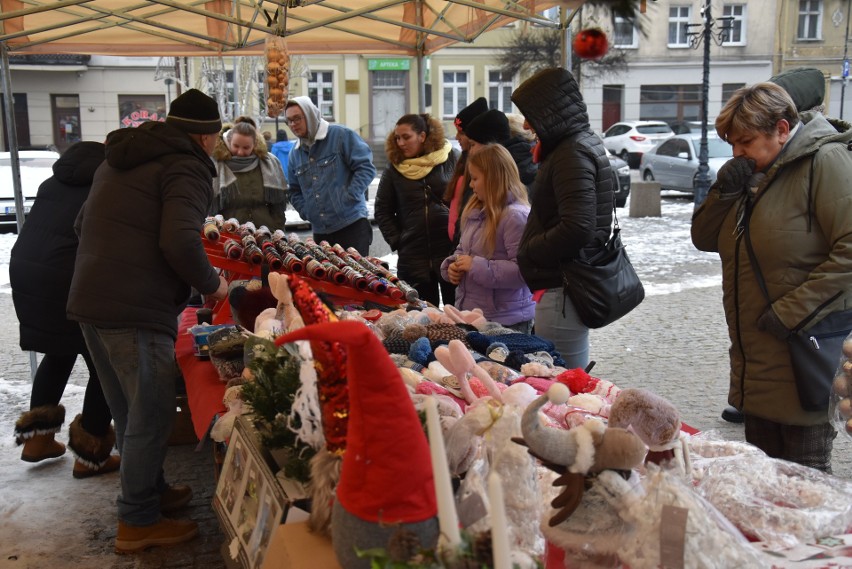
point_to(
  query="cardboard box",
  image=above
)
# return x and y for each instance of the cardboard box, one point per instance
(293, 546)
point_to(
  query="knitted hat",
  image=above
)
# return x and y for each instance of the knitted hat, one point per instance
(805, 85)
(387, 469)
(195, 112)
(490, 126)
(470, 112)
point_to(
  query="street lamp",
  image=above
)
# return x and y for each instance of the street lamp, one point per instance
(704, 37)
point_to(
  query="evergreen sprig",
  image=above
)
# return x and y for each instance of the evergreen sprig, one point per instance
(271, 396)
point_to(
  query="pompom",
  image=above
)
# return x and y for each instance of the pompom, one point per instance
(414, 331)
(558, 394)
(421, 351)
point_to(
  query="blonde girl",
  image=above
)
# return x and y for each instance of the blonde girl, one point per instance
(484, 265)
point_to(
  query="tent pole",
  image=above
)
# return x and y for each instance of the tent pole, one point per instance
(421, 82)
(14, 158)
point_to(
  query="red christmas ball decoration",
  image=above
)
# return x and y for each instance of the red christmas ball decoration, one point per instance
(591, 44)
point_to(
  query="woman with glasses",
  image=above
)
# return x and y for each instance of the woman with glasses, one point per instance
(409, 211)
(250, 183)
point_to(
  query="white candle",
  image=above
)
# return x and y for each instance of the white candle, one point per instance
(447, 517)
(499, 529)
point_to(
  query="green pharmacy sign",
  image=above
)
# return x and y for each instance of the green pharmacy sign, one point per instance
(388, 64)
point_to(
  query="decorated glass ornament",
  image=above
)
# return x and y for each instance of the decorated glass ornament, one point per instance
(591, 43)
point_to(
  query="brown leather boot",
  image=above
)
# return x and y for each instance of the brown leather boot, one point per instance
(175, 497)
(41, 447)
(133, 539)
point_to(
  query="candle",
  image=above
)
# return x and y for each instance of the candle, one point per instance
(499, 531)
(447, 518)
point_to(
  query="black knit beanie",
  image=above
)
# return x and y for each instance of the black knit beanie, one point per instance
(490, 126)
(195, 112)
(470, 112)
(805, 85)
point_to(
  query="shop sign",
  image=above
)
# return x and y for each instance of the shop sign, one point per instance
(140, 116)
(388, 64)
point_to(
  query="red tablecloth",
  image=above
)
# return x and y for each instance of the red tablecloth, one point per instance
(204, 390)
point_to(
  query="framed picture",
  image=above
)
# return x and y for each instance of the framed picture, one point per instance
(249, 501)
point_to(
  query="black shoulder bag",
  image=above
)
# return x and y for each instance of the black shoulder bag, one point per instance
(603, 286)
(815, 352)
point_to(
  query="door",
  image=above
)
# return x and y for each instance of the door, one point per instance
(22, 121)
(66, 120)
(389, 93)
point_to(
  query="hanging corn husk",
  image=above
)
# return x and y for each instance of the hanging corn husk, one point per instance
(277, 75)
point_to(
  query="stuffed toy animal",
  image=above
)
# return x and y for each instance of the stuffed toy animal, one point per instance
(457, 359)
(588, 449)
(473, 317)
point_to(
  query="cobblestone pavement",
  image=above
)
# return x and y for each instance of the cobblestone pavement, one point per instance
(673, 344)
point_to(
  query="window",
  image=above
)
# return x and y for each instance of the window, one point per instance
(455, 92)
(810, 20)
(134, 110)
(320, 89)
(737, 25)
(66, 120)
(500, 91)
(624, 34)
(669, 102)
(678, 21)
(728, 90)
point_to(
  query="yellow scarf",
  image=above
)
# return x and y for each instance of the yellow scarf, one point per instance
(418, 168)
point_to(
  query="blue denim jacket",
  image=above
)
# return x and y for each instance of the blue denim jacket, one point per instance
(329, 181)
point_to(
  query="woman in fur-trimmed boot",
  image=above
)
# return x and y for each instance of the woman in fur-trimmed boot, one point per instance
(40, 271)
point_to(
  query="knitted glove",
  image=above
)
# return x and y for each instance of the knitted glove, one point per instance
(732, 178)
(771, 324)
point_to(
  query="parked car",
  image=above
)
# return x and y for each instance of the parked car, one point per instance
(674, 162)
(620, 179)
(686, 127)
(36, 167)
(629, 140)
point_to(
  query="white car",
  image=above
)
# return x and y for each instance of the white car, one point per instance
(630, 139)
(36, 167)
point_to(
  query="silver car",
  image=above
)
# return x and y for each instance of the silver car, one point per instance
(674, 162)
(36, 167)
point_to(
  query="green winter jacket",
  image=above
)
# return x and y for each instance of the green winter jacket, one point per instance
(800, 229)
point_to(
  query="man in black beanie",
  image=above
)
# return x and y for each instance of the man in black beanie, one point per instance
(139, 255)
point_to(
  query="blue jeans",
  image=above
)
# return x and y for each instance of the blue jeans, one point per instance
(557, 320)
(137, 369)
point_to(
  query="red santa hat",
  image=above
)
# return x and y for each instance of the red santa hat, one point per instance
(386, 474)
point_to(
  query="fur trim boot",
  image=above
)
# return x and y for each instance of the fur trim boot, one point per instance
(94, 454)
(36, 429)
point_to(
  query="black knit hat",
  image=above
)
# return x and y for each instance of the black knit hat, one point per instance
(490, 126)
(805, 85)
(195, 112)
(470, 112)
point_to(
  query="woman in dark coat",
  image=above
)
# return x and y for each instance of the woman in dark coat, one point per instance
(571, 203)
(40, 270)
(409, 211)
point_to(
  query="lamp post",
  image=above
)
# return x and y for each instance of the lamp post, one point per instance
(703, 38)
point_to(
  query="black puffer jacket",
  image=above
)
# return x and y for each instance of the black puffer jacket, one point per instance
(42, 261)
(521, 153)
(140, 242)
(412, 217)
(572, 193)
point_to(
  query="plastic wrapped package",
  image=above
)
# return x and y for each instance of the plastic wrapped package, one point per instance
(840, 404)
(778, 502)
(710, 541)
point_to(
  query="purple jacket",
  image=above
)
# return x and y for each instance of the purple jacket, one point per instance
(494, 284)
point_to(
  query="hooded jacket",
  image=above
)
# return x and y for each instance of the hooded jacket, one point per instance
(494, 282)
(42, 261)
(410, 214)
(140, 231)
(571, 198)
(329, 173)
(801, 234)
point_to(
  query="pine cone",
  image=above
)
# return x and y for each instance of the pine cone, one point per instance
(403, 545)
(482, 551)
